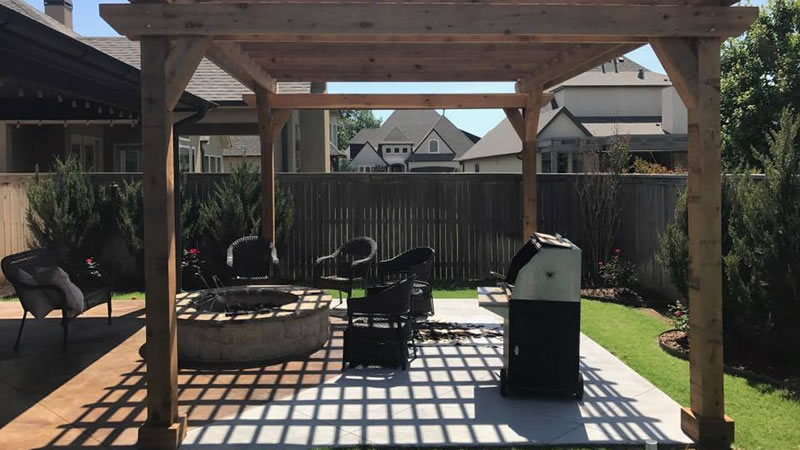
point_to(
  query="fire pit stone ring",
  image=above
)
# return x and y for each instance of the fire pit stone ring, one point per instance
(251, 323)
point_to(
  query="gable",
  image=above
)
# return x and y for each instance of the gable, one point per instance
(368, 157)
(562, 126)
(433, 135)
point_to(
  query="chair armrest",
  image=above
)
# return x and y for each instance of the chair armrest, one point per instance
(322, 259)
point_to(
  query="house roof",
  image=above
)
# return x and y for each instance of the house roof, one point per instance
(503, 140)
(413, 126)
(22, 7)
(209, 81)
(595, 78)
(243, 146)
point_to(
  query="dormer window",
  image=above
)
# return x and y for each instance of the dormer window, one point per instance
(433, 146)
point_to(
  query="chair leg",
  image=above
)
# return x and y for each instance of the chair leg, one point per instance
(19, 333)
(109, 311)
(65, 327)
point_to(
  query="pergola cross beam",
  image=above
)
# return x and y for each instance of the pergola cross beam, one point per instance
(394, 101)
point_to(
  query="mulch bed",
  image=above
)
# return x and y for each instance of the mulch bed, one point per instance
(623, 296)
(676, 343)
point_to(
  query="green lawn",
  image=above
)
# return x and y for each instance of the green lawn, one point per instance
(765, 417)
(437, 293)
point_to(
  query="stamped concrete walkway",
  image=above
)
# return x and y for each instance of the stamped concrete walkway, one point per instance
(92, 395)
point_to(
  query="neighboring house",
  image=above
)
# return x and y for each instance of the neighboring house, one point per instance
(619, 99)
(67, 94)
(410, 141)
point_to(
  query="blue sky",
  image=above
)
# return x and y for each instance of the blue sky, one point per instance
(88, 23)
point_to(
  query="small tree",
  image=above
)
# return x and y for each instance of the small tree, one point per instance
(598, 196)
(351, 121)
(62, 214)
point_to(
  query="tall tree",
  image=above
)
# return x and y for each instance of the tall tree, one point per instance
(351, 121)
(759, 80)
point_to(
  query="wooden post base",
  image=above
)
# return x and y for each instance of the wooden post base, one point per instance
(707, 433)
(162, 437)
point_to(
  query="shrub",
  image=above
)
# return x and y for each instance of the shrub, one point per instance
(617, 273)
(760, 248)
(233, 210)
(598, 198)
(62, 214)
(679, 315)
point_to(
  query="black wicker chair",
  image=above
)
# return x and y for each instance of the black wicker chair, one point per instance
(417, 262)
(253, 260)
(351, 265)
(380, 326)
(39, 299)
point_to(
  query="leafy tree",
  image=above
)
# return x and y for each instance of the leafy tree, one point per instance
(351, 121)
(62, 213)
(759, 80)
(760, 248)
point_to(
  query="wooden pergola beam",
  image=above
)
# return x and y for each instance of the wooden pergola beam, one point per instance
(266, 132)
(239, 65)
(184, 56)
(392, 101)
(679, 57)
(530, 194)
(560, 23)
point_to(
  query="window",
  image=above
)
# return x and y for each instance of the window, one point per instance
(129, 157)
(477, 167)
(547, 157)
(86, 150)
(433, 146)
(186, 153)
(405, 149)
(562, 163)
(364, 168)
(212, 163)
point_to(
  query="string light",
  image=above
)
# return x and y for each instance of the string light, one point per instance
(111, 123)
(39, 94)
(60, 98)
(87, 105)
(74, 104)
(21, 92)
(65, 124)
(99, 110)
(18, 124)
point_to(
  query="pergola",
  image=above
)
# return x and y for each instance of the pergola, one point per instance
(537, 43)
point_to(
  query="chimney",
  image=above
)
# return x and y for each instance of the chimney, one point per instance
(61, 10)
(641, 74)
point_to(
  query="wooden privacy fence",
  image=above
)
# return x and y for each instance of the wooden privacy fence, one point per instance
(473, 221)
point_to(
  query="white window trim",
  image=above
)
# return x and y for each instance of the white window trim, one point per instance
(118, 147)
(430, 148)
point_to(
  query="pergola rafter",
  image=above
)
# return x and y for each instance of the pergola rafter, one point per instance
(534, 42)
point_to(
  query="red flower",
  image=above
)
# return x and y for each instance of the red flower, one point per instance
(678, 313)
(617, 251)
(88, 260)
(193, 251)
(600, 263)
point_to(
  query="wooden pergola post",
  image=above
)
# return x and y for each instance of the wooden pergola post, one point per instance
(166, 69)
(530, 192)
(164, 428)
(694, 66)
(267, 138)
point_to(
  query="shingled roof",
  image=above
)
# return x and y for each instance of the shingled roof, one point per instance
(208, 82)
(412, 126)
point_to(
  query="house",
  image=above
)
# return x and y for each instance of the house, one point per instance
(617, 99)
(410, 141)
(68, 94)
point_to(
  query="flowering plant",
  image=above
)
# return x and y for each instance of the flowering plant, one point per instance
(191, 261)
(679, 314)
(93, 266)
(617, 273)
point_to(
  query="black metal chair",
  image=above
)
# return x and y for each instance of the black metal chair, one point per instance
(380, 326)
(253, 260)
(351, 265)
(39, 299)
(417, 262)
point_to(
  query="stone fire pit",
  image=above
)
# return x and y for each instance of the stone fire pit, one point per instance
(251, 323)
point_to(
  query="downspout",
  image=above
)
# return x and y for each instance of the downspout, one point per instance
(176, 175)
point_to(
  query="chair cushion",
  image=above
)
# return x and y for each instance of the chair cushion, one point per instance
(73, 297)
(96, 297)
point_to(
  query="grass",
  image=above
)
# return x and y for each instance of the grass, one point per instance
(766, 417)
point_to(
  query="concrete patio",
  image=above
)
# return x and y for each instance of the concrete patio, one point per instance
(93, 393)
